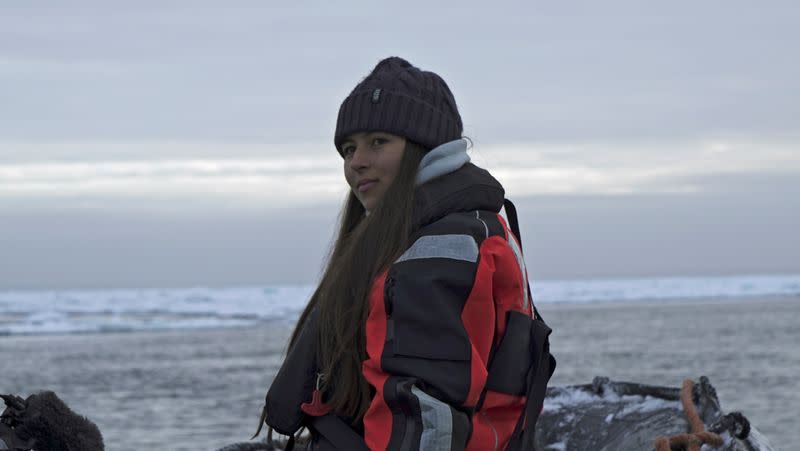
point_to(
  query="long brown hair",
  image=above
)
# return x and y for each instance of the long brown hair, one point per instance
(364, 247)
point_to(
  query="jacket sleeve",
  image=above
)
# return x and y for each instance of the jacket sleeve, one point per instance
(429, 330)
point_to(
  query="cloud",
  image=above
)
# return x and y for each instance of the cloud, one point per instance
(307, 175)
(613, 99)
(278, 182)
(632, 167)
(200, 70)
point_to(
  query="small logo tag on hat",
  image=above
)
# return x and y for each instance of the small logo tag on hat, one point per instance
(376, 95)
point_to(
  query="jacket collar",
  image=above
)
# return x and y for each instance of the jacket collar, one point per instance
(448, 183)
(441, 160)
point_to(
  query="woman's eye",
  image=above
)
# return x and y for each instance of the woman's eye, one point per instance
(379, 141)
(347, 151)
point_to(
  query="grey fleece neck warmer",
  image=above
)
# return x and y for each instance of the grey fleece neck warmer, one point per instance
(442, 160)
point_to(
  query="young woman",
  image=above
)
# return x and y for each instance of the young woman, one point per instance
(421, 333)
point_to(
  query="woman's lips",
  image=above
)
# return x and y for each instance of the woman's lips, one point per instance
(365, 185)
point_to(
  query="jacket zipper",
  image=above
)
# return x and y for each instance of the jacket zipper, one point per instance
(387, 296)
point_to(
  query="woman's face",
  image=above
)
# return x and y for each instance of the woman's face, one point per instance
(371, 162)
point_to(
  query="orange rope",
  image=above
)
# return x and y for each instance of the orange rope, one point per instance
(698, 436)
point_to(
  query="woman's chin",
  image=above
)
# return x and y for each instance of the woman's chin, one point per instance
(367, 202)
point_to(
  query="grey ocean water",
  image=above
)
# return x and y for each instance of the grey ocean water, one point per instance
(202, 389)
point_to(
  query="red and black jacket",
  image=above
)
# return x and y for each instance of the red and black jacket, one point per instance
(455, 354)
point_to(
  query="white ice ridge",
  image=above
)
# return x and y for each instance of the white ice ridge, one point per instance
(573, 397)
(74, 311)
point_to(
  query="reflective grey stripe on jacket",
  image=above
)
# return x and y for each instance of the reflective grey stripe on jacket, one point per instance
(437, 423)
(455, 247)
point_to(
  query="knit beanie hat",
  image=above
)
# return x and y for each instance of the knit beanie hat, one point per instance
(401, 99)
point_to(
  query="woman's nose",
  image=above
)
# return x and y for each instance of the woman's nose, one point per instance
(360, 159)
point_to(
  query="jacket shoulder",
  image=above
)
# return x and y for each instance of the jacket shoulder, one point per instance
(479, 224)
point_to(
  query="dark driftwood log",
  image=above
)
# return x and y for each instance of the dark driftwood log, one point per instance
(49, 425)
(626, 416)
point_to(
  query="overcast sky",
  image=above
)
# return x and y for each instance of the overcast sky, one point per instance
(175, 143)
